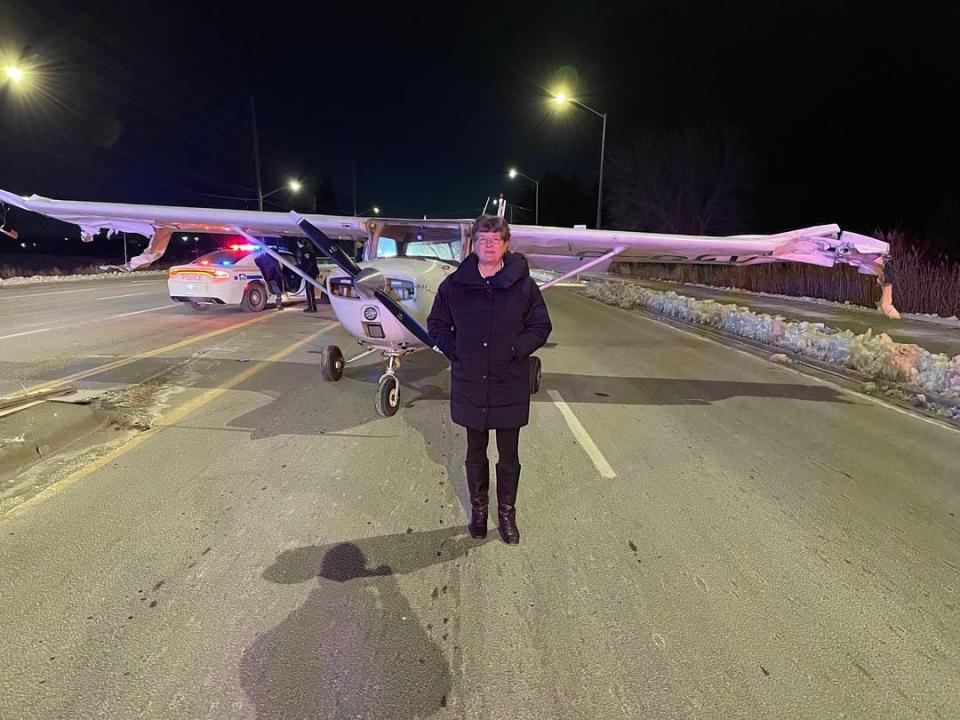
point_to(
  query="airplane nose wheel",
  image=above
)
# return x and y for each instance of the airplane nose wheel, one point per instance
(388, 389)
(388, 396)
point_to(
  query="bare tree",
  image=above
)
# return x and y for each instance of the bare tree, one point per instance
(693, 180)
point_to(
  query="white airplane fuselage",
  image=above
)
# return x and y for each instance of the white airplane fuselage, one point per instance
(412, 280)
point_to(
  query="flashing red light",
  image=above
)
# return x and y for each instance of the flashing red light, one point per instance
(204, 262)
(247, 247)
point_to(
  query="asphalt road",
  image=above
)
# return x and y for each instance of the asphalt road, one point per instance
(705, 535)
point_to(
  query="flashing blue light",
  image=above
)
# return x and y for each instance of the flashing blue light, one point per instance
(226, 262)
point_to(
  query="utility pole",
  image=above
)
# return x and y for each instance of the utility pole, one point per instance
(256, 154)
(354, 185)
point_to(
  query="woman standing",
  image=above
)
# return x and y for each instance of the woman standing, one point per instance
(488, 318)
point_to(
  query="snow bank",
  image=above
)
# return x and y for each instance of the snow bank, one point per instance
(876, 356)
(923, 317)
(35, 279)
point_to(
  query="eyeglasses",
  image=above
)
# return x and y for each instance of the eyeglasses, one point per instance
(489, 240)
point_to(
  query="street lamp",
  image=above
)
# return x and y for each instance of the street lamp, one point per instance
(293, 186)
(374, 209)
(512, 173)
(561, 98)
(14, 74)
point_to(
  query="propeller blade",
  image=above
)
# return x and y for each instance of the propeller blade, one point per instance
(325, 245)
(405, 319)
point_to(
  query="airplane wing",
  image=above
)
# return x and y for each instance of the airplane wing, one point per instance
(566, 250)
(570, 250)
(159, 222)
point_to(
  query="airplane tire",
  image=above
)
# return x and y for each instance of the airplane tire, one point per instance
(388, 396)
(254, 298)
(198, 307)
(331, 363)
(536, 374)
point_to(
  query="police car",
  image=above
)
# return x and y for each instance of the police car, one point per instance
(230, 277)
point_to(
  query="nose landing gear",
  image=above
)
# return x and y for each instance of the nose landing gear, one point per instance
(388, 389)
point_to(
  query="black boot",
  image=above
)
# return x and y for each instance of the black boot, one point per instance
(508, 477)
(478, 483)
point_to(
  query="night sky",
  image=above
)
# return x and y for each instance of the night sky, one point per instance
(849, 110)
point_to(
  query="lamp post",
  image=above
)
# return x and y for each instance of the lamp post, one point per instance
(561, 99)
(512, 173)
(294, 186)
(373, 208)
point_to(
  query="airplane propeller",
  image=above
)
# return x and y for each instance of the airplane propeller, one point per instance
(369, 281)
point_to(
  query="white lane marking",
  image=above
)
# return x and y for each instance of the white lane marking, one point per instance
(67, 326)
(138, 312)
(44, 294)
(114, 297)
(822, 381)
(27, 332)
(580, 433)
(146, 282)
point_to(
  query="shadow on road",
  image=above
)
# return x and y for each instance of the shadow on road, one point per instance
(354, 648)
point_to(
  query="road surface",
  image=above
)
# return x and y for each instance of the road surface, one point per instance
(705, 534)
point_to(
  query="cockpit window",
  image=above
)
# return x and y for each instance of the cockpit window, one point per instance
(412, 241)
(386, 247)
(442, 250)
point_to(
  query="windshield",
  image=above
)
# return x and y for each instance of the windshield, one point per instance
(432, 242)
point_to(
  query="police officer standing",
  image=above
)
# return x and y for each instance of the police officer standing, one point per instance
(307, 262)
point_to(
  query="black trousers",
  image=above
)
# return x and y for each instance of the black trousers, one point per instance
(507, 441)
(311, 296)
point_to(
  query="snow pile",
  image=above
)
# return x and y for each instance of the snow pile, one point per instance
(542, 276)
(34, 279)
(877, 356)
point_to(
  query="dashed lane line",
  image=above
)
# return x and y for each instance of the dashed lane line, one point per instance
(117, 297)
(582, 436)
(146, 354)
(168, 420)
(71, 325)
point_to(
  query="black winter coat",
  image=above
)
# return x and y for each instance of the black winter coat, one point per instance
(489, 328)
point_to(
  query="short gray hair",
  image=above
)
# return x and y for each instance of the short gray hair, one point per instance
(490, 223)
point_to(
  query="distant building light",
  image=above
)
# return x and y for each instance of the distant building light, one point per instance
(23, 245)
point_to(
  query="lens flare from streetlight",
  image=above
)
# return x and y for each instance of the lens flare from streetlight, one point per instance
(560, 96)
(376, 210)
(14, 74)
(295, 185)
(512, 173)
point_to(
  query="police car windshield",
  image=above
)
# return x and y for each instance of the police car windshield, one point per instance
(222, 257)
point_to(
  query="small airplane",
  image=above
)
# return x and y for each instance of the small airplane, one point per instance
(383, 300)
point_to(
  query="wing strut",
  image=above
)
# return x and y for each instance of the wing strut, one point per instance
(584, 266)
(282, 260)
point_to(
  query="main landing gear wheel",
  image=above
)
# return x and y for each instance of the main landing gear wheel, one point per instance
(331, 363)
(388, 396)
(536, 374)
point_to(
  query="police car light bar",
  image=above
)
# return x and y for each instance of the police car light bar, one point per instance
(245, 246)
